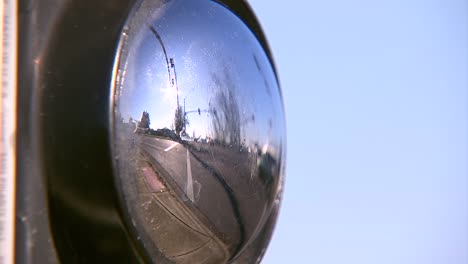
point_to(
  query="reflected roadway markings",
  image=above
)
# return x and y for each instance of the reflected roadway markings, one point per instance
(189, 179)
(171, 146)
(152, 180)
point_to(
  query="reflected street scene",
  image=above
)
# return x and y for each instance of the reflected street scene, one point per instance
(198, 134)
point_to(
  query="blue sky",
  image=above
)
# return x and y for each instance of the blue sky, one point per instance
(377, 112)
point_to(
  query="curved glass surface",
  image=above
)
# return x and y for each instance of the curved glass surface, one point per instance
(198, 133)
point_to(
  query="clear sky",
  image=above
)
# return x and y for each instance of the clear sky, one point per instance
(376, 96)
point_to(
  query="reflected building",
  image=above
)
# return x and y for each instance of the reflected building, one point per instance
(200, 175)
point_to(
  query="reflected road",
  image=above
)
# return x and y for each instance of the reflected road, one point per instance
(202, 177)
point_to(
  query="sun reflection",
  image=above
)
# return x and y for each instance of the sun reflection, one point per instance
(169, 94)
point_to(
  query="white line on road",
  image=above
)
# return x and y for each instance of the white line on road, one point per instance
(189, 179)
(171, 146)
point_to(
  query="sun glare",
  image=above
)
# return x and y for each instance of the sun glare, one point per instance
(169, 94)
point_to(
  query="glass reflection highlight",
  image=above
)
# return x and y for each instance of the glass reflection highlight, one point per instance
(198, 131)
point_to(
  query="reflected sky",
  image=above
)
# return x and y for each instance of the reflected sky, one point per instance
(212, 51)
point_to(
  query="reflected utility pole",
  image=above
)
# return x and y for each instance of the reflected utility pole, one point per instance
(169, 62)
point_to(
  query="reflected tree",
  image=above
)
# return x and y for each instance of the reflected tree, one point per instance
(225, 110)
(180, 120)
(145, 121)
